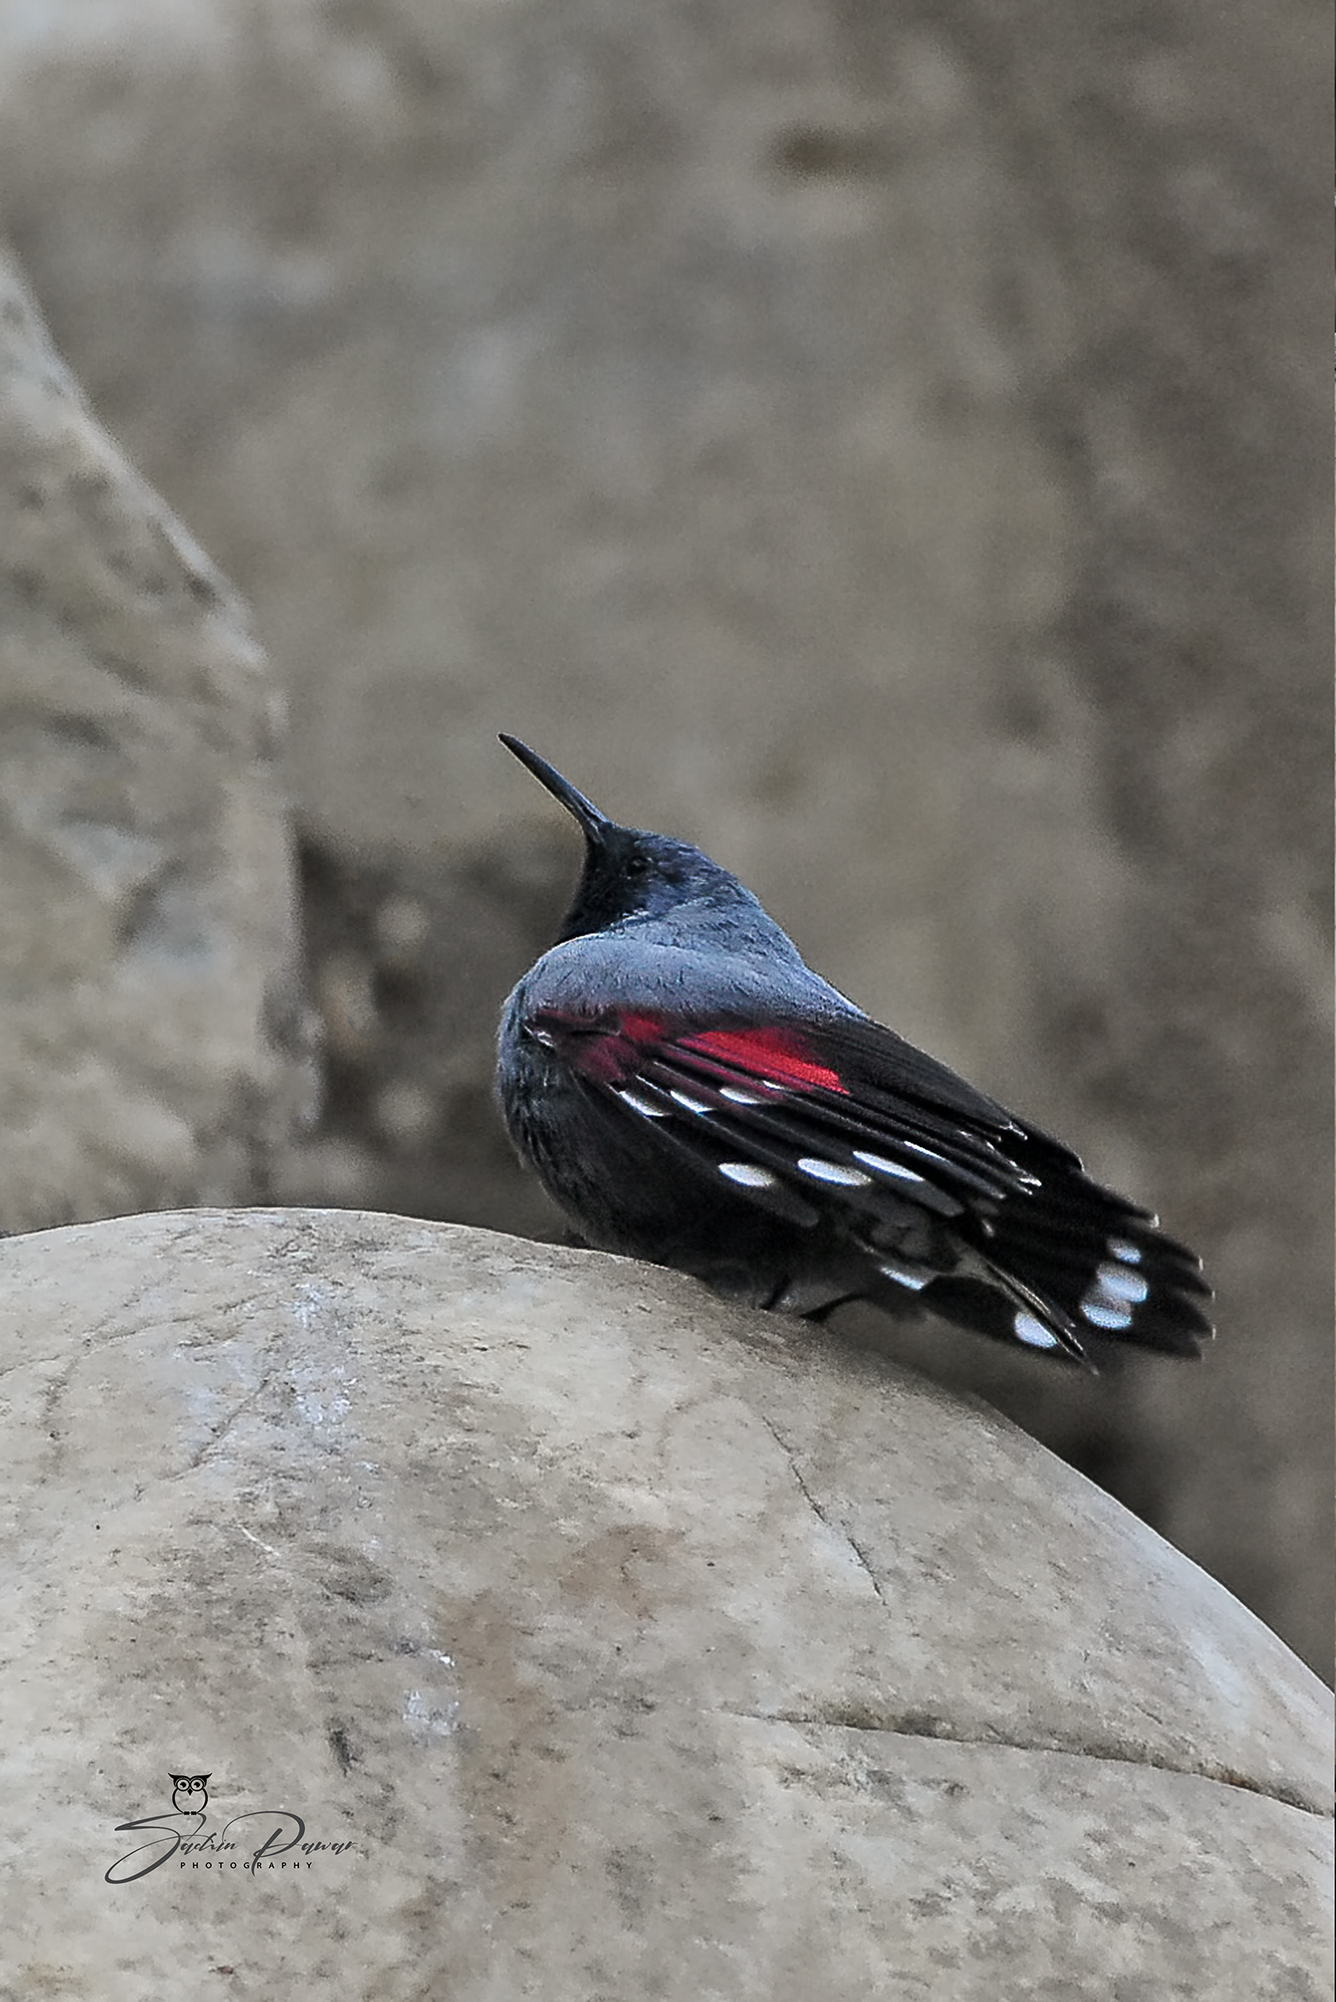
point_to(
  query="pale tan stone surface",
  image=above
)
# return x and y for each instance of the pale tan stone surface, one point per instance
(149, 1015)
(638, 1646)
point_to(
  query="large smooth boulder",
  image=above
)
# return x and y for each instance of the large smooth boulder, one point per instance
(637, 1646)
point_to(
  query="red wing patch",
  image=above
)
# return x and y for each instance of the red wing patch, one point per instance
(609, 1048)
(606, 1049)
(776, 1055)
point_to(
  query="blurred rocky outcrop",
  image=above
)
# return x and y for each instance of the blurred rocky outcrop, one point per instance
(604, 1641)
(875, 442)
(150, 1012)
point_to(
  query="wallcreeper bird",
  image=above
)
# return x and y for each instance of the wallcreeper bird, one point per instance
(691, 1093)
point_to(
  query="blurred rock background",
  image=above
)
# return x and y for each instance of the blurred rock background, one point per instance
(155, 1045)
(881, 444)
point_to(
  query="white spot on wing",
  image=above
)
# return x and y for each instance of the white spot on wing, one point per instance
(881, 1166)
(1102, 1313)
(645, 1106)
(748, 1176)
(1130, 1254)
(832, 1171)
(1115, 1282)
(737, 1096)
(1033, 1332)
(687, 1102)
(905, 1275)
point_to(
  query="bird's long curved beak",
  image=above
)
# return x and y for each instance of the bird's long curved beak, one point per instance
(594, 824)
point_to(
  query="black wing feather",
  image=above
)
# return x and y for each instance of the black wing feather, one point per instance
(1034, 1243)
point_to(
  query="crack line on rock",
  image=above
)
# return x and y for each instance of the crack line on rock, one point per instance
(33, 1362)
(889, 1727)
(220, 1431)
(836, 1529)
(1214, 1776)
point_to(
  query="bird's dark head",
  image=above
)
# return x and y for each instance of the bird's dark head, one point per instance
(629, 873)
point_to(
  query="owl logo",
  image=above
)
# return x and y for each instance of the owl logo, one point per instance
(188, 1794)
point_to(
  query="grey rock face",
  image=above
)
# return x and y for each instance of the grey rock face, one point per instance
(635, 1645)
(150, 1009)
